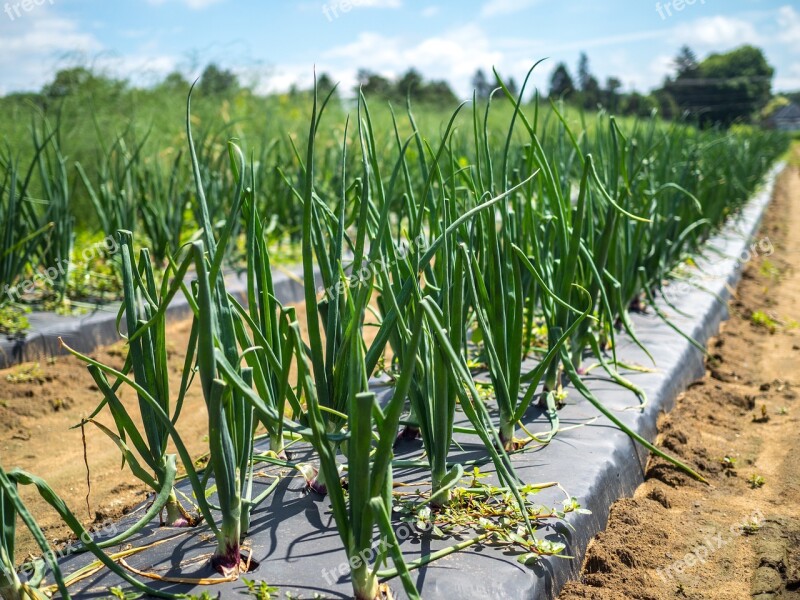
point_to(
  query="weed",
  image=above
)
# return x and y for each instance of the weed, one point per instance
(260, 590)
(768, 269)
(29, 373)
(751, 527)
(120, 594)
(13, 321)
(761, 319)
(763, 417)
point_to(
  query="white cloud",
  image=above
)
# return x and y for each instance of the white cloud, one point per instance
(789, 27)
(790, 80)
(494, 8)
(377, 3)
(33, 47)
(431, 11)
(141, 69)
(661, 66)
(716, 33)
(454, 56)
(193, 4)
(610, 40)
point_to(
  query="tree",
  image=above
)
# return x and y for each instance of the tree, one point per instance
(591, 93)
(481, 85)
(218, 81)
(685, 62)
(723, 88)
(325, 86)
(561, 84)
(513, 88)
(79, 80)
(583, 71)
(638, 105)
(175, 81)
(667, 107)
(373, 84)
(410, 84)
(611, 93)
(439, 93)
(589, 86)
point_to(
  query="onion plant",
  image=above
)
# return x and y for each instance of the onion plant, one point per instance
(214, 353)
(340, 370)
(20, 234)
(369, 497)
(564, 249)
(213, 165)
(440, 216)
(147, 358)
(499, 285)
(162, 200)
(52, 169)
(12, 509)
(337, 394)
(227, 386)
(433, 394)
(112, 190)
(231, 417)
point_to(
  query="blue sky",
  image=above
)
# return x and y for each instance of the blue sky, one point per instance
(275, 43)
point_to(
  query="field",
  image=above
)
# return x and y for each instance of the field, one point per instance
(439, 251)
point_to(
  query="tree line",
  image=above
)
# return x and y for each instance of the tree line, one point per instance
(722, 89)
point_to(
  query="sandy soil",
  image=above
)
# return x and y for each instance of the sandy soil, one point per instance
(734, 538)
(40, 402)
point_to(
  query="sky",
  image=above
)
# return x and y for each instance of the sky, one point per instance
(273, 44)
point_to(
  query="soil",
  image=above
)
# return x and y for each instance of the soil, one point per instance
(738, 536)
(40, 402)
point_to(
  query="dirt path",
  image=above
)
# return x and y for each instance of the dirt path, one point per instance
(738, 537)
